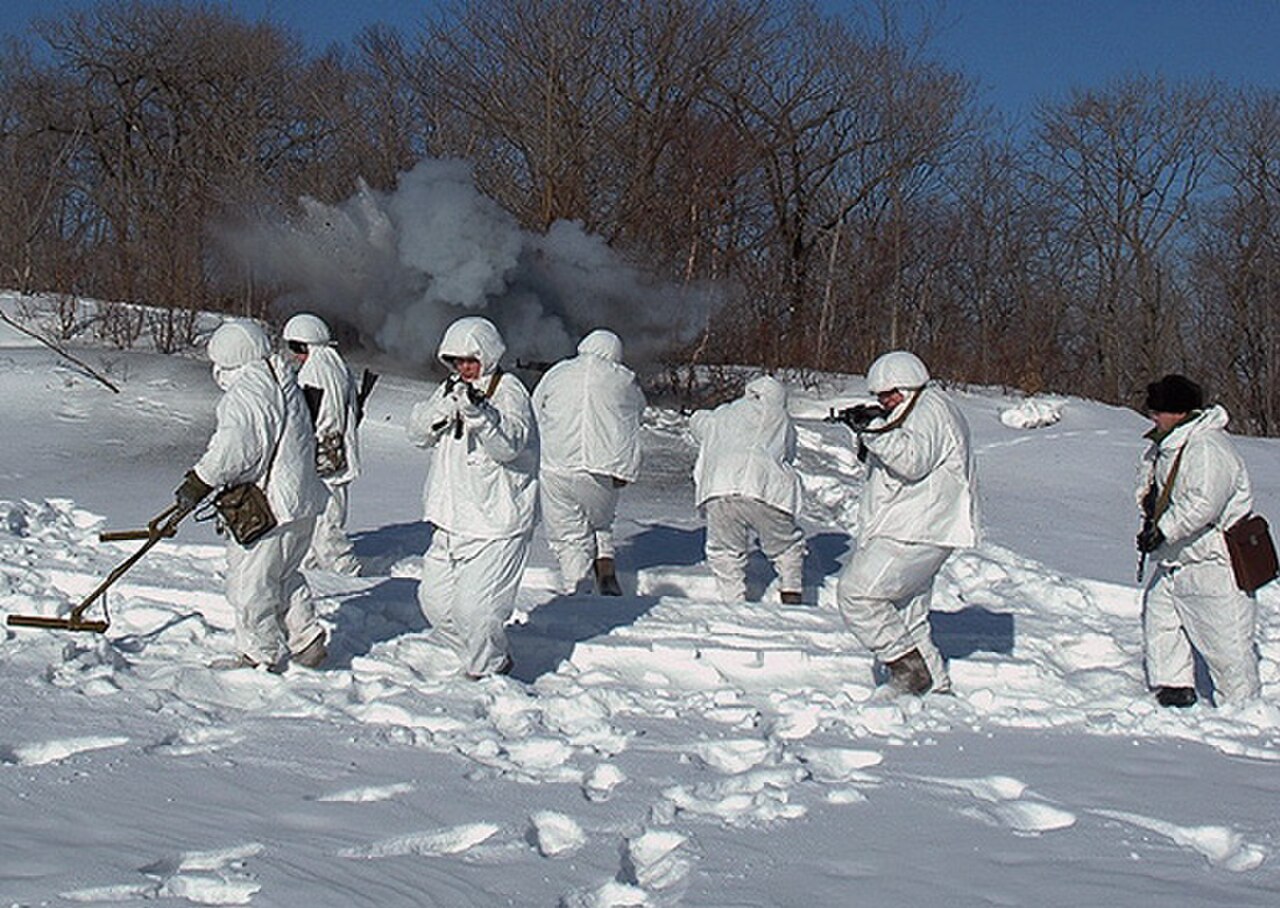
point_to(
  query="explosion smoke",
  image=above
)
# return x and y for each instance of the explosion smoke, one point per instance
(400, 266)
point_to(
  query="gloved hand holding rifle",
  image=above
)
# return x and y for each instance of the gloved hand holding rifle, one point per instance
(858, 417)
(1149, 537)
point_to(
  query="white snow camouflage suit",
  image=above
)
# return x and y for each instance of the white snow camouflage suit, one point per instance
(1191, 600)
(481, 496)
(745, 481)
(589, 411)
(919, 503)
(264, 433)
(324, 369)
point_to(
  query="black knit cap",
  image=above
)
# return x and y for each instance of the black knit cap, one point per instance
(1174, 394)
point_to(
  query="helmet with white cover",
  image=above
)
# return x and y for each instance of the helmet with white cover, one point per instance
(898, 369)
(238, 342)
(305, 328)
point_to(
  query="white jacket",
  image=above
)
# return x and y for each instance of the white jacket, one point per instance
(482, 481)
(1210, 492)
(263, 410)
(324, 369)
(589, 410)
(921, 482)
(747, 447)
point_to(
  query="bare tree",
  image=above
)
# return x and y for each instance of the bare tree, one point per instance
(1237, 263)
(845, 127)
(1128, 163)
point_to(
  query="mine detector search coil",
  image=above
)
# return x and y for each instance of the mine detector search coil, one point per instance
(163, 526)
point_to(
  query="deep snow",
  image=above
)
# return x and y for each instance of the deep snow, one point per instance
(658, 749)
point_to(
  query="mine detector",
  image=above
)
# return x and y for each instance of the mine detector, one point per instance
(163, 526)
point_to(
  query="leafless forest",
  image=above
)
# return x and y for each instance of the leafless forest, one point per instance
(844, 185)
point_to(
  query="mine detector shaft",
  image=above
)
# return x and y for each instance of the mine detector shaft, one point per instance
(163, 526)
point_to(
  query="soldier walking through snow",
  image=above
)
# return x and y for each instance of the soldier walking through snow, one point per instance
(589, 409)
(331, 392)
(1194, 486)
(481, 496)
(919, 503)
(745, 482)
(263, 444)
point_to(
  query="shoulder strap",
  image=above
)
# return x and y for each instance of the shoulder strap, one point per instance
(1162, 503)
(901, 417)
(284, 424)
(493, 382)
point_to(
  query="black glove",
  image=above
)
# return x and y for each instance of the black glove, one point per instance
(192, 491)
(1150, 539)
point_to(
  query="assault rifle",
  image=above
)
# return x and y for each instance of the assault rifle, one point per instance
(1149, 504)
(857, 417)
(367, 380)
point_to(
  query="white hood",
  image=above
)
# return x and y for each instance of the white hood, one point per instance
(589, 411)
(747, 448)
(476, 337)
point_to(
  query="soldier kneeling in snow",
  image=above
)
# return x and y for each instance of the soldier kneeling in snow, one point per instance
(263, 443)
(917, 505)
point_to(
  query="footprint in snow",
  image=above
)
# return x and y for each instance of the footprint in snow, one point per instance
(600, 782)
(656, 859)
(1220, 845)
(1005, 805)
(839, 764)
(195, 741)
(215, 877)
(42, 752)
(452, 840)
(368, 793)
(554, 834)
(733, 756)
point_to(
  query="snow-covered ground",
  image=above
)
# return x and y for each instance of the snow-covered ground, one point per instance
(658, 749)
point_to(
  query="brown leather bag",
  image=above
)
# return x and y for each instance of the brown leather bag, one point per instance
(1253, 555)
(245, 511)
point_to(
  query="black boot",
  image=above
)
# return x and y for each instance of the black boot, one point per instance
(1181, 697)
(607, 578)
(791, 597)
(909, 673)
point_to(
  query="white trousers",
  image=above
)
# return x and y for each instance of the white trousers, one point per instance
(884, 594)
(578, 511)
(1199, 606)
(731, 520)
(265, 588)
(468, 592)
(331, 550)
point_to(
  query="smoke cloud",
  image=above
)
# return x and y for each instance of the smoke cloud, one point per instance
(399, 267)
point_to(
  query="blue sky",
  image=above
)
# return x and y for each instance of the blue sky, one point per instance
(1018, 51)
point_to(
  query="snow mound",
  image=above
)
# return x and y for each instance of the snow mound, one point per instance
(1032, 413)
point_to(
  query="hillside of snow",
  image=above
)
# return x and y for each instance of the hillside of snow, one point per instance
(658, 749)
